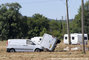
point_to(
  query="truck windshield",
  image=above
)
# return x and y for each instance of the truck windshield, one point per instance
(30, 42)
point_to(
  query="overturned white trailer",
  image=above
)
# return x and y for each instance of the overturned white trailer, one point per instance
(76, 38)
(49, 42)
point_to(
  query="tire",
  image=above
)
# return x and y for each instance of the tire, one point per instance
(8, 50)
(12, 50)
(37, 50)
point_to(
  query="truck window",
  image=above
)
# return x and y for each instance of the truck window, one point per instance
(72, 38)
(65, 37)
(40, 39)
(29, 42)
(85, 38)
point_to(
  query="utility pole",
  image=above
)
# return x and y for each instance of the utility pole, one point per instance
(62, 17)
(68, 29)
(82, 21)
(63, 26)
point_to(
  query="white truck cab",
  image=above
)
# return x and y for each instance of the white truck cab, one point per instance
(37, 40)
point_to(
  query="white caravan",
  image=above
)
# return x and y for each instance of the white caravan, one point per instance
(75, 38)
(22, 45)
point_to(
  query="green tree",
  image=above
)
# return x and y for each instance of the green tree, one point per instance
(36, 25)
(43, 31)
(11, 21)
(57, 28)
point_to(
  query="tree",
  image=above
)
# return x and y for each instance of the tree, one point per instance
(56, 28)
(37, 23)
(11, 21)
(43, 31)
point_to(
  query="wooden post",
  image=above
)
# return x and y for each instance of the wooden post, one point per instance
(82, 21)
(68, 29)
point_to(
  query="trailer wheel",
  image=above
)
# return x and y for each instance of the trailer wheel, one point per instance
(37, 50)
(12, 50)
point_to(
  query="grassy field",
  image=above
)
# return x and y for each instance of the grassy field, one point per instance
(59, 54)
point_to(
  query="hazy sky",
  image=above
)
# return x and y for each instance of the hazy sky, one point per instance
(53, 9)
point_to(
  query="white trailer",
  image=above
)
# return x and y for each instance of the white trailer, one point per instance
(75, 38)
(49, 42)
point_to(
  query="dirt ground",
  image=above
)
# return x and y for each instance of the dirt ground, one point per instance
(59, 54)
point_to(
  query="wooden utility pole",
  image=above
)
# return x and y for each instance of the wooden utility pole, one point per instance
(62, 17)
(82, 21)
(68, 29)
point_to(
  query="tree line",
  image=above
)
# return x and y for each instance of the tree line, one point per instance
(13, 25)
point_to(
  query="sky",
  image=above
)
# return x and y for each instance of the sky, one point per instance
(53, 9)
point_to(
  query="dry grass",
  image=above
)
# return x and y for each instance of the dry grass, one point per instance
(60, 47)
(61, 55)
